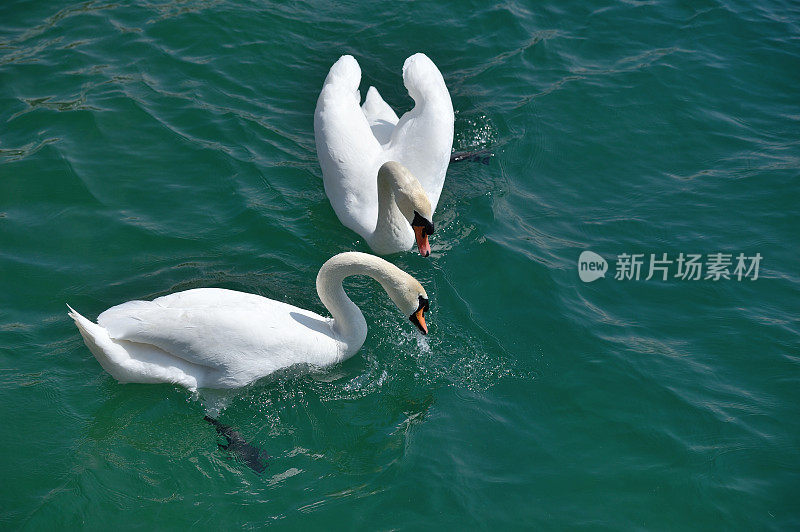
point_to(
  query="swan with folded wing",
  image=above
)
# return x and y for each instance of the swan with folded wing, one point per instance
(216, 338)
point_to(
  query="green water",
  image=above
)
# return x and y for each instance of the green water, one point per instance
(165, 146)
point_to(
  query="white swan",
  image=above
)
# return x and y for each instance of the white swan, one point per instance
(215, 338)
(354, 142)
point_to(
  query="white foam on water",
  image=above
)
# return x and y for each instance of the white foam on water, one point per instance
(422, 343)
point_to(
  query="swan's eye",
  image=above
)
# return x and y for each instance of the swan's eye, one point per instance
(424, 223)
(424, 304)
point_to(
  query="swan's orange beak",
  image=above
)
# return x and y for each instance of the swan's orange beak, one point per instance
(418, 317)
(420, 321)
(422, 241)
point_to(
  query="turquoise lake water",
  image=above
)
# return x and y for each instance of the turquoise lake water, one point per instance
(162, 146)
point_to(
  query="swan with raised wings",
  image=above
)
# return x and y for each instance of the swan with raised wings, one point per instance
(384, 175)
(216, 338)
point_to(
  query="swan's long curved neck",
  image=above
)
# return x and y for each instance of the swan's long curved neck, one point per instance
(349, 324)
(393, 226)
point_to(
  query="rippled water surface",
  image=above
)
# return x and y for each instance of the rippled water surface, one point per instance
(164, 146)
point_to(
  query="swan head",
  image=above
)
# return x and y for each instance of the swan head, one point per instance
(412, 201)
(412, 300)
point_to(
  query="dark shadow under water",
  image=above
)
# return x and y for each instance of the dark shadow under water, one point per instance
(253, 457)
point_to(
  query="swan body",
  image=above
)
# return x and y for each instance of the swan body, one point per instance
(216, 338)
(354, 141)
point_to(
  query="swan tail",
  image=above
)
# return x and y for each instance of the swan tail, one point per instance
(380, 116)
(109, 354)
(375, 108)
(122, 363)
